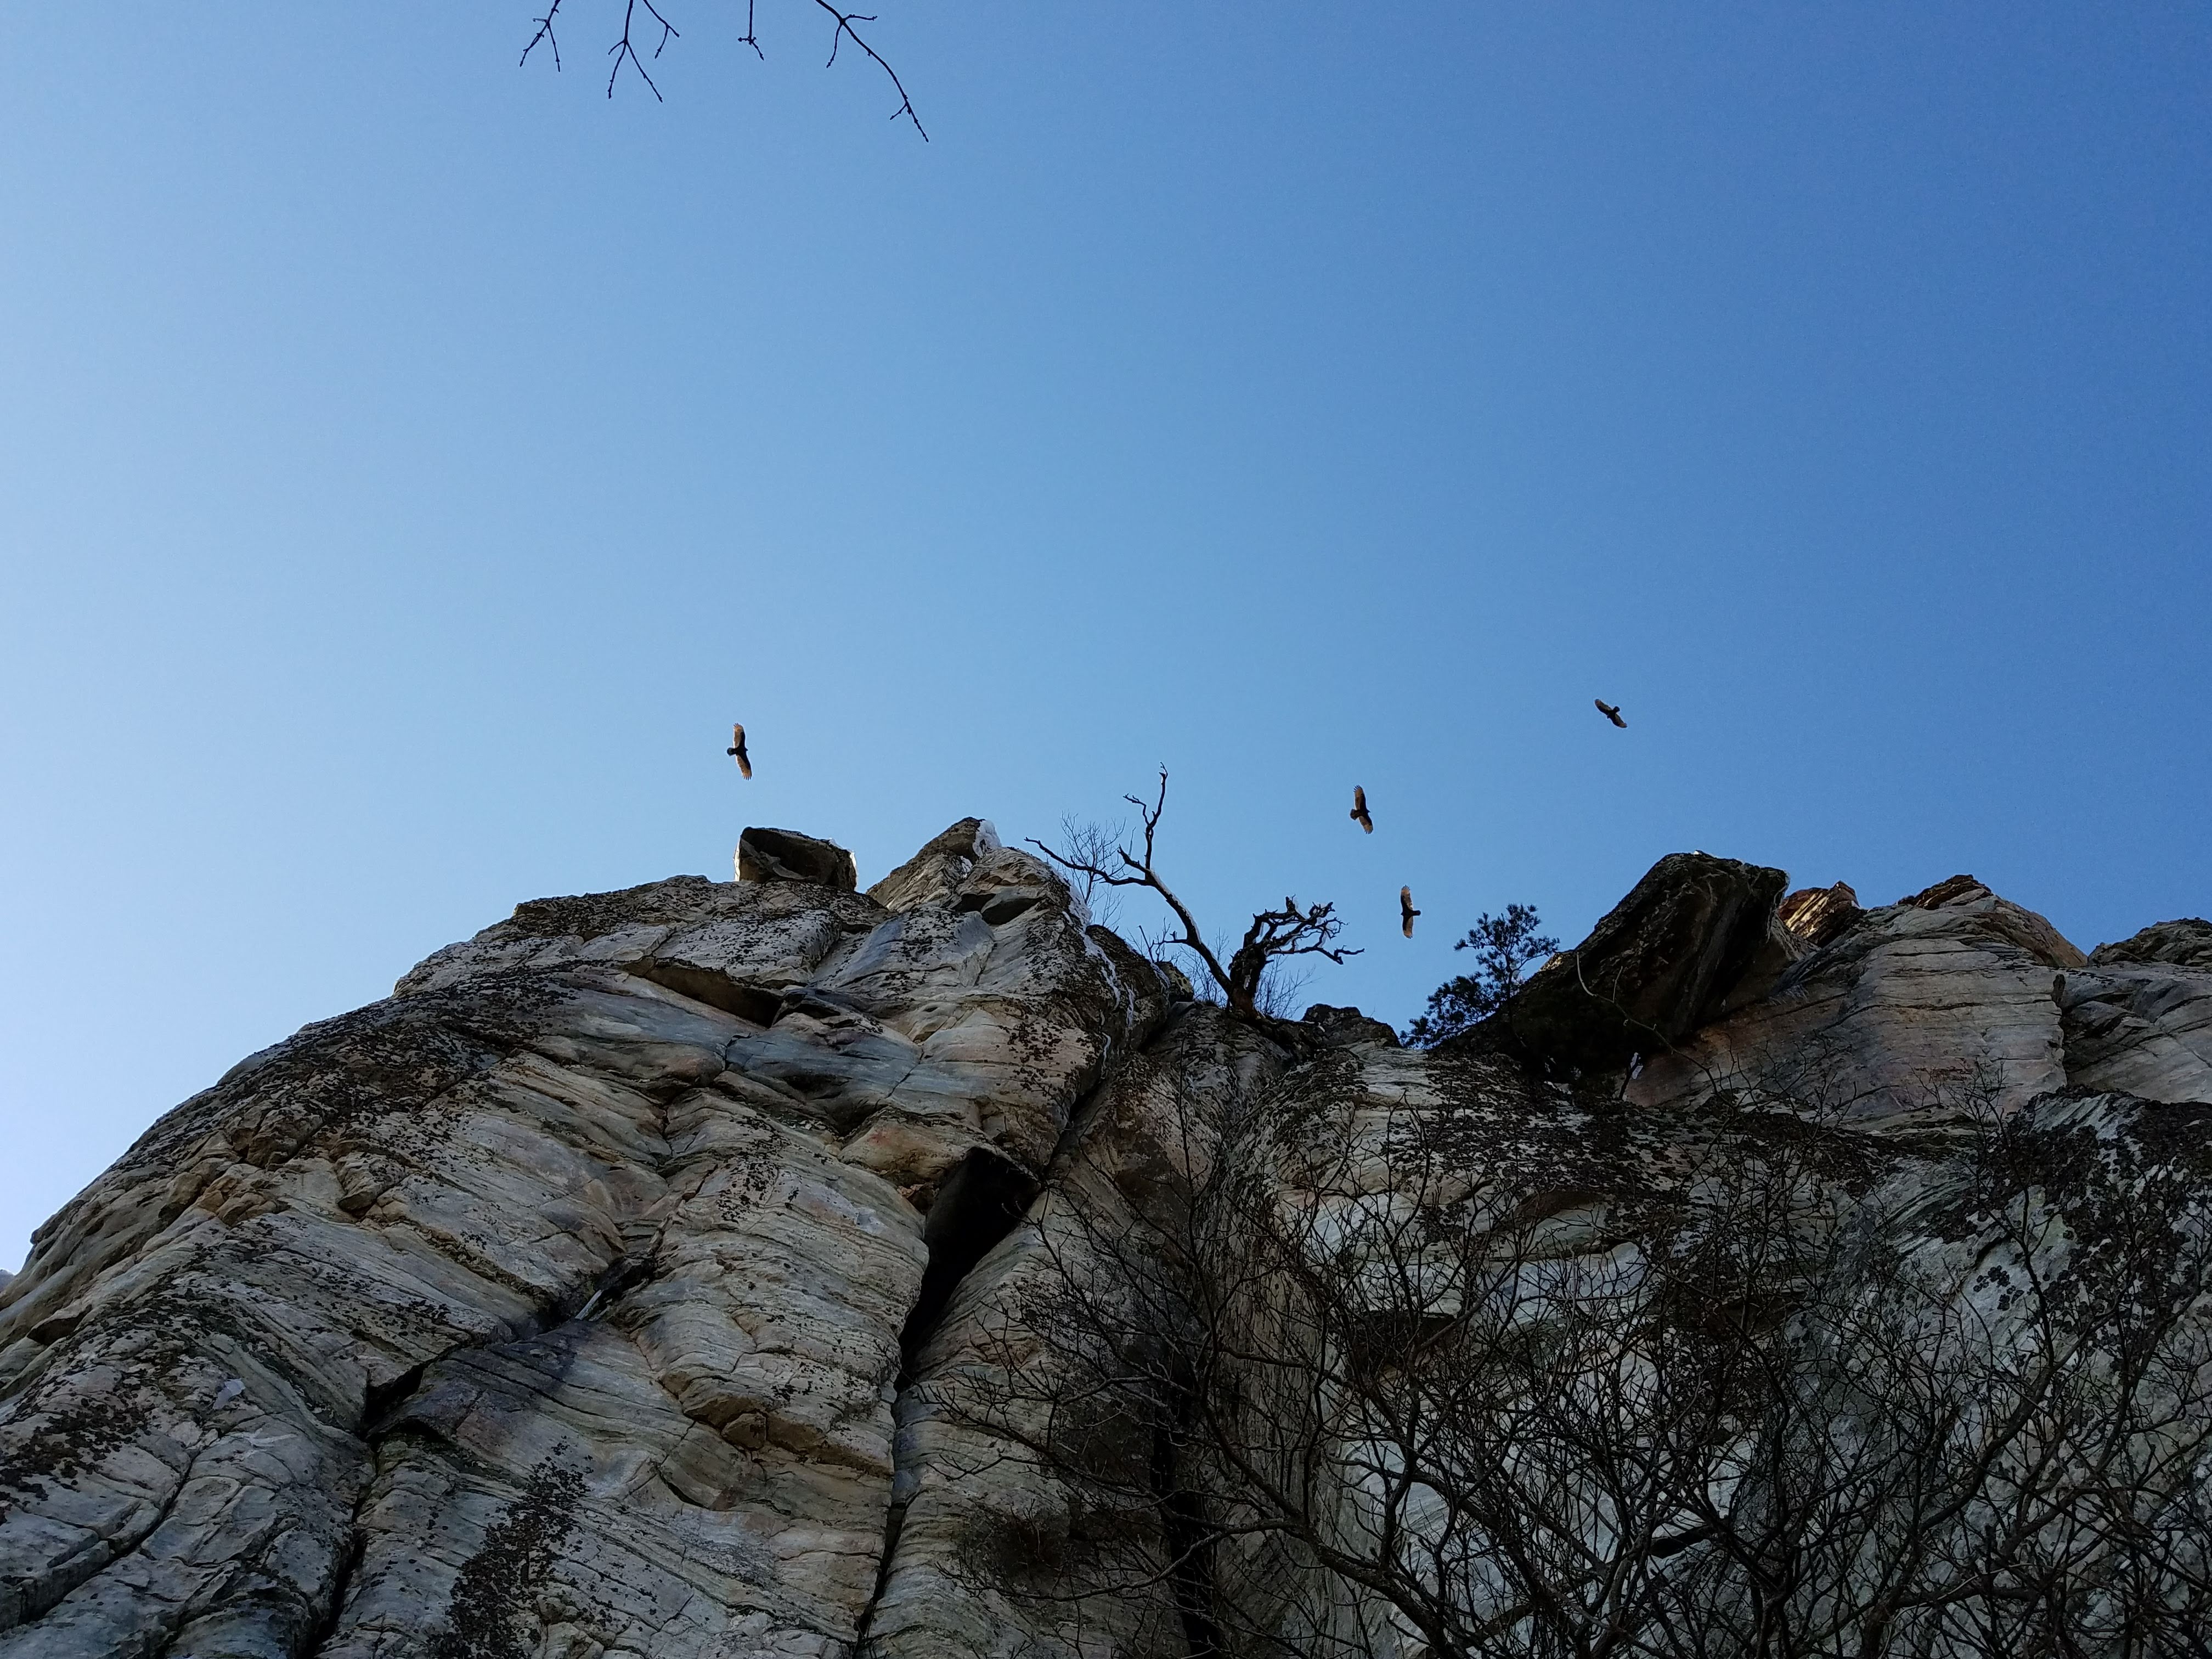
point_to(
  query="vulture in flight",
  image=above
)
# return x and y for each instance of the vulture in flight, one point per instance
(1405, 910)
(1612, 712)
(1359, 810)
(737, 748)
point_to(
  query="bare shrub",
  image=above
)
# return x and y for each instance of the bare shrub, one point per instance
(1344, 1390)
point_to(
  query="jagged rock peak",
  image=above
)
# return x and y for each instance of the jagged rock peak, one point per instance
(2024, 927)
(1346, 1026)
(2186, 943)
(934, 875)
(1818, 914)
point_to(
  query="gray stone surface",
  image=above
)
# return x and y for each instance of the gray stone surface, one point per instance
(563, 1291)
(2186, 943)
(1658, 966)
(630, 1281)
(1914, 1006)
(2144, 1028)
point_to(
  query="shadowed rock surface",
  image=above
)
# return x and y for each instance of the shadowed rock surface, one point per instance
(1659, 964)
(787, 856)
(614, 1287)
(2184, 944)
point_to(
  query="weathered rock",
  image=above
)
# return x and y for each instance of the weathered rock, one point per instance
(988, 1546)
(787, 856)
(562, 1292)
(643, 1277)
(2186, 943)
(1930, 1005)
(2023, 928)
(1344, 1026)
(2142, 1028)
(936, 873)
(1818, 914)
(1658, 966)
(736, 946)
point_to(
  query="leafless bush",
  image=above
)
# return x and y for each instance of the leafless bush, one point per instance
(1337, 1392)
(1091, 846)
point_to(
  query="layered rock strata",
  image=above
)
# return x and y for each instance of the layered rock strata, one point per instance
(641, 1277)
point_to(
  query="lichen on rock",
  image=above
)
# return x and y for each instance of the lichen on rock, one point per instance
(637, 1278)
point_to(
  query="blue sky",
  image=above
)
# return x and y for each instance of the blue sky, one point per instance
(409, 463)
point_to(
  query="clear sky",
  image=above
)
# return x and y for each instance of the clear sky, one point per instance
(410, 463)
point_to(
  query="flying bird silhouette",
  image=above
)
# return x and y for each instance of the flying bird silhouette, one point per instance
(1405, 910)
(1359, 810)
(737, 748)
(1612, 712)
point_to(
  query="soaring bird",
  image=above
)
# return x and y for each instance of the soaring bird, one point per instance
(737, 748)
(1611, 712)
(1359, 810)
(1405, 910)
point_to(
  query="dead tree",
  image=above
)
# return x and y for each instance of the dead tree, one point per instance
(624, 49)
(1274, 936)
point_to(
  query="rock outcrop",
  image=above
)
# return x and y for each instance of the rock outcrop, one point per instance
(1660, 964)
(1945, 991)
(787, 856)
(641, 1276)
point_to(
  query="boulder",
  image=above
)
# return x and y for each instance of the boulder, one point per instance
(787, 856)
(1346, 1026)
(1657, 966)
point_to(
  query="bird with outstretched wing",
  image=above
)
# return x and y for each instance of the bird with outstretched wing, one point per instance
(737, 748)
(1612, 712)
(1359, 810)
(1405, 910)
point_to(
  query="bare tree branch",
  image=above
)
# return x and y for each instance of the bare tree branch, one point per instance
(546, 33)
(624, 50)
(843, 31)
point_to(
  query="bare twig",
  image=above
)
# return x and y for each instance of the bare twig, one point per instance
(1293, 931)
(546, 33)
(624, 50)
(844, 30)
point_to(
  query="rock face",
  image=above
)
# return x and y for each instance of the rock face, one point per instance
(565, 1286)
(614, 1286)
(1660, 963)
(1817, 915)
(2185, 944)
(787, 856)
(1949, 990)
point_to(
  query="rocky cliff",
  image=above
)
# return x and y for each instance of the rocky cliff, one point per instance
(613, 1287)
